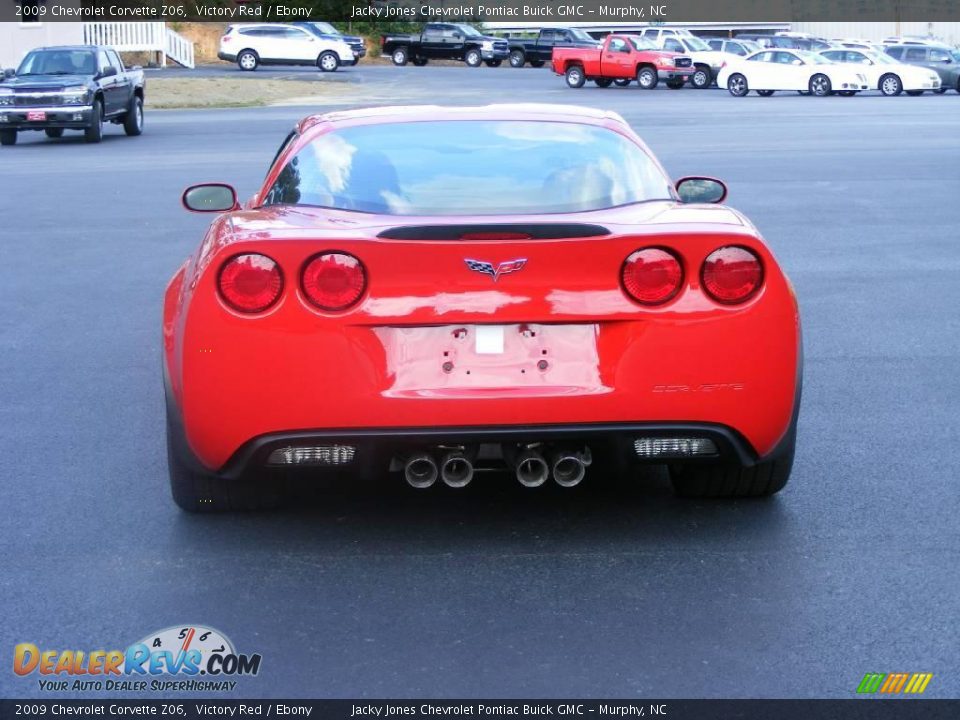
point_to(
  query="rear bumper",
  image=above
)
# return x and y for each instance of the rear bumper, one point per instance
(229, 57)
(15, 118)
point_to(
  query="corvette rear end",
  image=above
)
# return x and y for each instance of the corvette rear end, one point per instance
(364, 312)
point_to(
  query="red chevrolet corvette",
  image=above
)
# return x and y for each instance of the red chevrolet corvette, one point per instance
(437, 291)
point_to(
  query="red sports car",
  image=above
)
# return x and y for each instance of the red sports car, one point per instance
(435, 291)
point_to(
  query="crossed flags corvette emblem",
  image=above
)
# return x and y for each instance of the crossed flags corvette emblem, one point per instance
(495, 271)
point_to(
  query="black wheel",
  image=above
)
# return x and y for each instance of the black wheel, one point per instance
(675, 84)
(846, 93)
(820, 85)
(701, 77)
(891, 85)
(248, 60)
(604, 82)
(914, 93)
(420, 62)
(765, 93)
(940, 91)
(8, 137)
(200, 492)
(647, 78)
(473, 58)
(94, 131)
(732, 481)
(537, 63)
(494, 63)
(133, 120)
(400, 56)
(622, 82)
(737, 85)
(575, 76)
(328, 61)
(54, 133)
(517, 58)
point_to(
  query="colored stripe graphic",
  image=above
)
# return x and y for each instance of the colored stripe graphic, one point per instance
(871, 682)
(894, 683)
(918, 683)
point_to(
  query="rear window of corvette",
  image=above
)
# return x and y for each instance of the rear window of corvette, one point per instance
(468, 167)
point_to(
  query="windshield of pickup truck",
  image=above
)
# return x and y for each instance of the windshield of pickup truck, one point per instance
(641, 43)
(59, 62)
(470, 167)
(695, 43)
(469, 30)
(580, 36)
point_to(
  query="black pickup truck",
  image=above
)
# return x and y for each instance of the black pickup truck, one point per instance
(75, 87)
(539, 50)
(448, 41)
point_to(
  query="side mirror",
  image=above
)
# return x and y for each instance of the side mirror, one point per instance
(108, 72)
(701, 190)
(210, 198)
(9, 73)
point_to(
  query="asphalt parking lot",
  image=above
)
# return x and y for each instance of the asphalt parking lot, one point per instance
(612, 589)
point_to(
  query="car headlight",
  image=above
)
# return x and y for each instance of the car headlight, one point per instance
(6, 96)
(76, 95)
(487, 44)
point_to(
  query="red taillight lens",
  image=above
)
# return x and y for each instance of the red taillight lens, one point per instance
(652, 276)
(732, 274)
(334, 281)
(250, 283)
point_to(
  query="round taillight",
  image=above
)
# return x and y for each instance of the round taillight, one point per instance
(334, 281)
(250, 283)
(732, 274)
(652, 276)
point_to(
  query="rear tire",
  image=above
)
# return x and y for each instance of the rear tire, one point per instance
(820, 85)
(8, 137)
(400, 56)
(604, 82)
(517, 58)
(54, 133)
(575, 76)
(473, 58)
(914, 93)
(732, 481)
(737, 85)
(675, 84)
(420, 62)
(494, 63)
(537, 63)
(328, 61)
(133, 120)
(765, 93)
(248, 61)
(94, 132)
(701, 78)
(622, 82)
(891, 85)
(647, 78)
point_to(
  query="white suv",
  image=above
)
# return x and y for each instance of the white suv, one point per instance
(275, 44)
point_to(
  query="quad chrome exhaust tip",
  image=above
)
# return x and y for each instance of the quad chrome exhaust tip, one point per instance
(456, 470)
(531, 468)
(569, 468)
(420, 471)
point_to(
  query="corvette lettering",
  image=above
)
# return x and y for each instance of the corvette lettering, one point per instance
(504, 268)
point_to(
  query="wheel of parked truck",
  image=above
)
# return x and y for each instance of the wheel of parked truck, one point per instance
(732, 481)
(419, 61)
(820, 85)
(701, 77)
(765, 93)
(847, 93)
(133, 120)
(939, 91)
(400, 56)
(575, 76)
(494, 63)
(737, 85)
(473, 58)
(54, 133)
(537, 63)
(891, 84)
(248, 60)
(94, 131)
(675, 84)
(604, 82)
(915, 93)
(328, 61)
(8, 137)
(647, 78)
(622, 82)
(517, 58)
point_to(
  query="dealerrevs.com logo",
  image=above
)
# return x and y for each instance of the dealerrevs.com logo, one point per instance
(187, 658)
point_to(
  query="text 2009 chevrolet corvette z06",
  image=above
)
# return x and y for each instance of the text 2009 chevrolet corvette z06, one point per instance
(435, 290)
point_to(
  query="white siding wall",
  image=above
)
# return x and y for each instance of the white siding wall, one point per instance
(17, 39)
(946, 31)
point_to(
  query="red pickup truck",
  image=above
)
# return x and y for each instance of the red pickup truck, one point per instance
(622, 58)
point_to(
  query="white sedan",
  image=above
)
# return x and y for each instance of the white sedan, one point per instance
(770, 70)
(886, 74)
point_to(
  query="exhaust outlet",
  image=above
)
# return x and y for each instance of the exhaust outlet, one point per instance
(569, 468)
(420, 471)
(532, 470)
(456, 470)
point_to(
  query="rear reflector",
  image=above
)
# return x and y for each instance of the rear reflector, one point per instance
(678, 447)
(317, 455)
